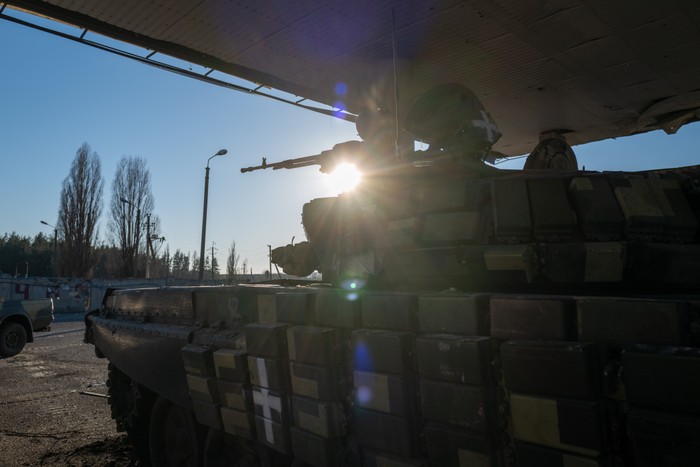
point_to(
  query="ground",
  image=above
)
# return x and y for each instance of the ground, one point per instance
(48, 416)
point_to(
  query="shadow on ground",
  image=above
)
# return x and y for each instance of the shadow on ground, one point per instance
(110, 452)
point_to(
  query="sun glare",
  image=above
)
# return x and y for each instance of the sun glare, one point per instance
(344, 177)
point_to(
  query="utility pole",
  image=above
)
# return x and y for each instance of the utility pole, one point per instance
(138, 238)
(148, 245)
(55, 244)
(212, 260)
(150, 251)
(269, 256)
(137, 233)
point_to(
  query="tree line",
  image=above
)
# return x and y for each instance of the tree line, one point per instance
(33, 256)
(133, 244)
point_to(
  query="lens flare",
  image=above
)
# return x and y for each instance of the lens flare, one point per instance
(341, 88)
(344, 177)
(362, 357)
(364, 395)
(352, 287)
(353, 284)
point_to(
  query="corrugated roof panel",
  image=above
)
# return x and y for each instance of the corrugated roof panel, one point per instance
(458, 26)
(675, 30)
(597, 54)
(590, 66)
(242, 25)
(625, 15)
(568, 28)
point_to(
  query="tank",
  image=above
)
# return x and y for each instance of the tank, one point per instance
(468, 316)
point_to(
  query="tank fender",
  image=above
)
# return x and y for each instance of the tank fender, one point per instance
(148, 353)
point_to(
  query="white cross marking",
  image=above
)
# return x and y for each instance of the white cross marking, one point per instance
(268, 403)
(262, 372)
(487, 125)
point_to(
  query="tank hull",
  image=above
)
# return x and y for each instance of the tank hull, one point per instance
(329, 376)
(528, 318)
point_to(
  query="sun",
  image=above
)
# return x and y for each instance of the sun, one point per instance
(344, 177)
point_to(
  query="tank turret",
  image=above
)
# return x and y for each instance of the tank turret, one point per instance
(442, 218)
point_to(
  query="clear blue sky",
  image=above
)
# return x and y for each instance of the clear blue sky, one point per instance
(56, 94)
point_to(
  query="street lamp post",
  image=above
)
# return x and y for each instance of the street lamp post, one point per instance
(55, 238)
(137, 233)
(222, 152)
(148, 245)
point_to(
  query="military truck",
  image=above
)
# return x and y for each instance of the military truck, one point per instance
(19, 319)
(468, 316)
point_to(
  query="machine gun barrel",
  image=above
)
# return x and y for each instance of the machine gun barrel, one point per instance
(286, 164)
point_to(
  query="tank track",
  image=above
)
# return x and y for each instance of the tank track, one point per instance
(130, 406)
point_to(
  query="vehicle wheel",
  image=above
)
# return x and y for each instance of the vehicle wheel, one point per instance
(130, 405)
(224, 450)
(175, 438)
(13, 336)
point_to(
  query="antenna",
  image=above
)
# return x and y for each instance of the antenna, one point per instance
(397, 146)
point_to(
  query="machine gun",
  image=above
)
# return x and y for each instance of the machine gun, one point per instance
(357, 153)
(348, 152)
(449, 117)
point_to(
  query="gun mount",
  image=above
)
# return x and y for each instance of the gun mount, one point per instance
(449, 117)
(351, 152)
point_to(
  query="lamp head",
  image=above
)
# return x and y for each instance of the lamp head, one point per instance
(222, 152)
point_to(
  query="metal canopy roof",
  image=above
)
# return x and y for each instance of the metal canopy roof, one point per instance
(592, 69)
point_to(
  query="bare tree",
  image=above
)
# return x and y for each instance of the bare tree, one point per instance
(80, 208)
(232, 262)
(131, 202)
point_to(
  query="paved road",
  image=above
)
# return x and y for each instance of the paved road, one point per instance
(45, 417)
